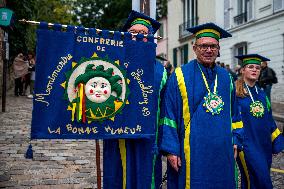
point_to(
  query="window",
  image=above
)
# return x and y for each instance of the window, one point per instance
(183, 54)
(227, 14)
(180, 55)
(278, 5)
(189, 17)
(161, 30)
(244, 11)
(240, 49)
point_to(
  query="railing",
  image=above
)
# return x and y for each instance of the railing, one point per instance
(241, 18)
(182, 27)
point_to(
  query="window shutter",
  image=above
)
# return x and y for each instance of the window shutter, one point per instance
(227, 14)
(250, 9)
(185, 53)
(175, 57)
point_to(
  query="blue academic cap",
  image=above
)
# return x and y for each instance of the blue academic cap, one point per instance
(140, 18)
(209, 30)
(252, 59)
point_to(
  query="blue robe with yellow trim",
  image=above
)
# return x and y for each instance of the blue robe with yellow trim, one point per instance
(143, 165)
(205, 141)
(262, 138)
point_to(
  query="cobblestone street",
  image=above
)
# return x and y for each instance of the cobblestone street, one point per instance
(56, 163)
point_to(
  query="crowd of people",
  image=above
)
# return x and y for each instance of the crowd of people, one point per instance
(205, 130)
(211, 119)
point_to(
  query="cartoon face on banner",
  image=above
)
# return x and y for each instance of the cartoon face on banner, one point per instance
(96, 89)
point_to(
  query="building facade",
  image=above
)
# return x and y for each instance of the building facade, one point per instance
(162, 44)
(257, 26)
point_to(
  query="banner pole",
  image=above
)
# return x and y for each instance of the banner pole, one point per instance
(98, 164)
(65, 26)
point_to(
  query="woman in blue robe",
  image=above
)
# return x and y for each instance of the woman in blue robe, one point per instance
(135, 163)
(200, 126)
(262, 138)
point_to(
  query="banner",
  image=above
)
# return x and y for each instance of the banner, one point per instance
(93, 86)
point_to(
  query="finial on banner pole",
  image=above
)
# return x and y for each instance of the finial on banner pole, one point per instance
(65, 26)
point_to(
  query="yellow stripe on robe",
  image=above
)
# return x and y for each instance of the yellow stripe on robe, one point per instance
(275, 134)
(237, 125)
(122, 149)
(186, 120)
(243, 161)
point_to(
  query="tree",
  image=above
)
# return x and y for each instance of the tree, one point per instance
(102, 14)
(19, 36)
(22, 37)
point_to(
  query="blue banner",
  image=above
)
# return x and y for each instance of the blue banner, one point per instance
(93, 85)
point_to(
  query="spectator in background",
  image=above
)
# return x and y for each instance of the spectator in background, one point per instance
(222, 65)
(169, 68)
(238, 70)
(31, 58)
(267, 78)
(233, 74)
(20, 67)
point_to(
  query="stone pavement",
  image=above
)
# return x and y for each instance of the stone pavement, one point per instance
(57, 164)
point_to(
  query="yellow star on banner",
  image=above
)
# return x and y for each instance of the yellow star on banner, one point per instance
(128, 81)
(117, 62)
(95, 55)
(63, 84)
(74, 64)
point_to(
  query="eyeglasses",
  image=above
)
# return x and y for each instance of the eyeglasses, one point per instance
(138, 32)
(204, 47)
(251, 67)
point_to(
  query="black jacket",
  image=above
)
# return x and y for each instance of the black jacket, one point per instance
(266, 77)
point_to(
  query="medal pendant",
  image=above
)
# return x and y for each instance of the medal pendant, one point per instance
(257, 109)
(213, 103)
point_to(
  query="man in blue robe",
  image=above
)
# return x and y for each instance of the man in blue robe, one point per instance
(135, 163)
(200, 128)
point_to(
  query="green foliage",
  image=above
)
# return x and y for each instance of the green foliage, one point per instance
(115, 14)
(102, 14)
(19, 36)
(22, 37)
(54, 11)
